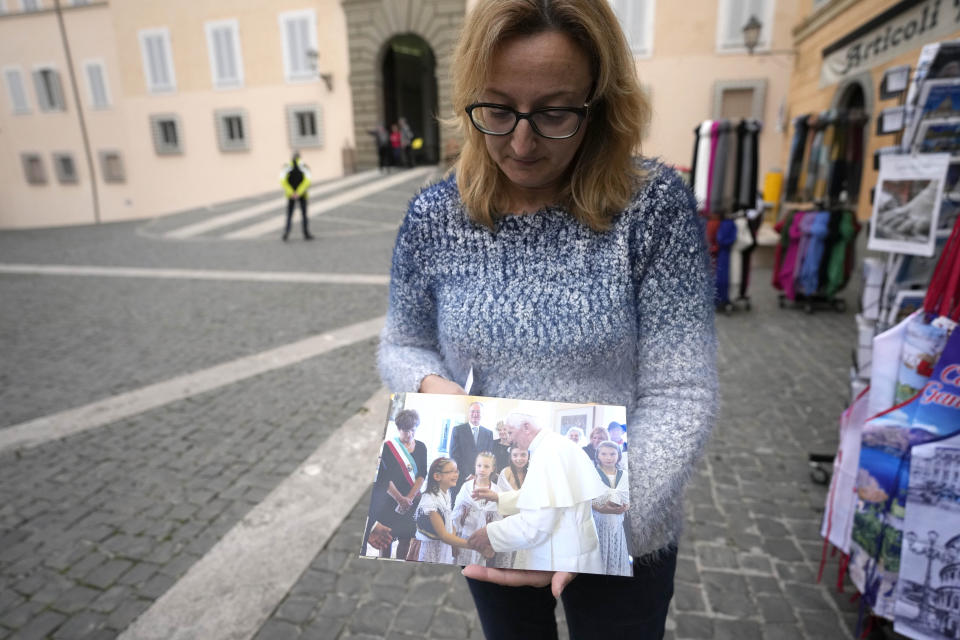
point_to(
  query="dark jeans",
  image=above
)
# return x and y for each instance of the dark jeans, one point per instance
(291, 203)
(601, 607)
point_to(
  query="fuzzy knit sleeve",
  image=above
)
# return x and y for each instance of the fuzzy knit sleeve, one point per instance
(676, 386)
(409, 346)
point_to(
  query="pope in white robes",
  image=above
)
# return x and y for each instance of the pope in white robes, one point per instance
(549, 520)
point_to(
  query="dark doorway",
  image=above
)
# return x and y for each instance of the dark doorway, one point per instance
(410, 91)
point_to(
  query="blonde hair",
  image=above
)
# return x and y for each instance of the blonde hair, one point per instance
(603, 174)
(490, 456)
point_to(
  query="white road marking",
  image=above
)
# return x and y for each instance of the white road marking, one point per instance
(233, 217)
(195, 274)
(131, 403)
(276, 224)
(232, 590)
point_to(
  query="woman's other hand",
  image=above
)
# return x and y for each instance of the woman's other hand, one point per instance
(558, 580)
(436, 384)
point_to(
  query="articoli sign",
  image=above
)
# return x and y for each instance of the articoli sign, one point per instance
(904, 27)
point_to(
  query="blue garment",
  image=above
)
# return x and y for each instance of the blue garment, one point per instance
(809, 277)
(544, 307)
(726, 236)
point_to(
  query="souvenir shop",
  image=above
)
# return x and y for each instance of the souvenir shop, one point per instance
(892, 516)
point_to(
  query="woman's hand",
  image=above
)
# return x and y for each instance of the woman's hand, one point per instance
(558, 580)
(436, 384)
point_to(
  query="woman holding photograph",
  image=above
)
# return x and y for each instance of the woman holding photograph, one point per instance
(434, 520)
(512, 477)
(558, 267)
(403, 466)
(608, 510)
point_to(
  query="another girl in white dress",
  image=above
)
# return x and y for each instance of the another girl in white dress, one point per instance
(609, 508)
(471, 515)
(511, 479)
(433, 517)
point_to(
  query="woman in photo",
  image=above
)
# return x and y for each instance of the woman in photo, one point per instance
(608, 509)
(512, 477)
(558, 265)
(433, 517)
(501, 449)
(471, 514)
(403, 467)
(597, 435)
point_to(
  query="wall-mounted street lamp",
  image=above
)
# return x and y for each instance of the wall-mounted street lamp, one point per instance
(327, 78)
(751, 38)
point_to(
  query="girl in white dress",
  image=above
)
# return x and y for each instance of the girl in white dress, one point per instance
(433, 517)
(470, 514)
(609, 508)
(511, 479)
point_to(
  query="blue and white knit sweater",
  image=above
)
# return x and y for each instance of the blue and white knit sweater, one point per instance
(545, 308)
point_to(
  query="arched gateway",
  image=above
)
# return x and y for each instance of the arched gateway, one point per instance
(393, 46)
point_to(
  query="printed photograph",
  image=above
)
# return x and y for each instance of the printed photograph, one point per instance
(502, 483)
(907, 203)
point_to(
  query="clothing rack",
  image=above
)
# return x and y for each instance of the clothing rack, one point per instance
(814, 258)
(724, 180)
(826, 153)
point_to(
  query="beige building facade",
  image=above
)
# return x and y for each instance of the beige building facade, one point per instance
(844, 47)
(182, 104)
(185, 104)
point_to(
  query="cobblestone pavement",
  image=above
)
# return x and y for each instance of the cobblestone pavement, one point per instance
(95, 527)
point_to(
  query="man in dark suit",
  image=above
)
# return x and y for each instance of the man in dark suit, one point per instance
(468, 440)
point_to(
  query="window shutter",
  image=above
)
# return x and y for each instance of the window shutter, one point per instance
(18, 94)
(155, 45)
(56, 91)
(98, 86)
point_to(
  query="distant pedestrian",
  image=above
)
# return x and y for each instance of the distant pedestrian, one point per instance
(382, 140)
(396, 143)
(406, 140)
(296, 180)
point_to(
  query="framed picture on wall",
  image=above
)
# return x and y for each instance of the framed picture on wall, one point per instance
(581, 417)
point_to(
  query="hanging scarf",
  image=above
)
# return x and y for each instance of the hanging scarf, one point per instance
(404, 458)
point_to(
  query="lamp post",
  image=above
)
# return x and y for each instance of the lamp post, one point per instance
(751, 34)
(751, 38)
(930, 551)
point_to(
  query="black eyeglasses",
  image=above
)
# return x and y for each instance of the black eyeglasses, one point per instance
(555, 123)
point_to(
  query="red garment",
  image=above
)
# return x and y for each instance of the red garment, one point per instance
(396, 139)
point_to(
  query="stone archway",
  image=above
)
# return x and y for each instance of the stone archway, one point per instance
(371, 26)
(410, 91)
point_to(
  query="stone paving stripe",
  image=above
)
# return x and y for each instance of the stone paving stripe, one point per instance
(225, 219)
(109, 410)
(233, 589)
(274, 225)
(196, 274)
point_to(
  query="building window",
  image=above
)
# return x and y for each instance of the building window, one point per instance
(305, 124)
(732, 15)
(97, 85)
(3, 6)
(79, 3)
(157, 60)
(17, 92)
(167, 138)
(223, 46)
(33, 169)
(298, 31)
(30, 5)
(736, 99)
(111, 166)
(636, 20)
(232, 130)
(65, 168)
(46, 80)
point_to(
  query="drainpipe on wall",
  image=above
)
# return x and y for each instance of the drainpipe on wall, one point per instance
(83, 125)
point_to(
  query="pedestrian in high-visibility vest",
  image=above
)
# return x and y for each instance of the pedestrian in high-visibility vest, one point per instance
(296, 180)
